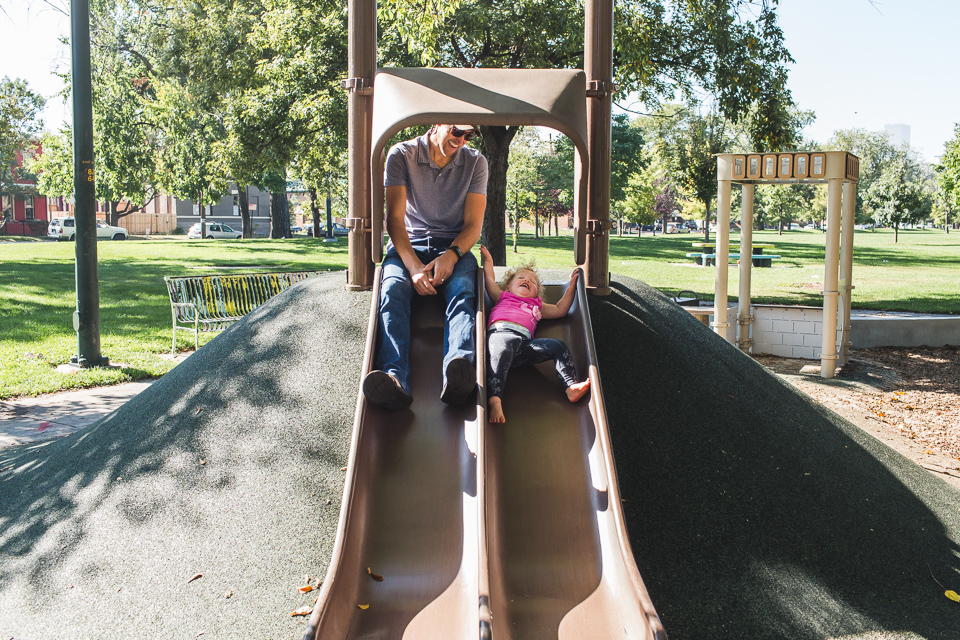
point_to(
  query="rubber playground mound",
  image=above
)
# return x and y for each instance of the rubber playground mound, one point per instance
(752, 512)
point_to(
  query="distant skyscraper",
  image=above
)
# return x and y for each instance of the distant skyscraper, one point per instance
(899, 133)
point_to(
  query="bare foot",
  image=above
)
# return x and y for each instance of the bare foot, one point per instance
(495, 410)
(577, 391)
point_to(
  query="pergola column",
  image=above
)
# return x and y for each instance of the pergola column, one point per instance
(361, 68)
(744, 316)
(848, 215)
(720, 323)
(828, 354)
(598, 65)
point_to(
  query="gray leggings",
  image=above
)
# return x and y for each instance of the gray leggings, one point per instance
(508, 348)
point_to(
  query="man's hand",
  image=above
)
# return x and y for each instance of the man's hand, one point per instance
(442, 267)
(422, 281)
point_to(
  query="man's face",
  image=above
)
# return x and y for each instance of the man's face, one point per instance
(447, 142)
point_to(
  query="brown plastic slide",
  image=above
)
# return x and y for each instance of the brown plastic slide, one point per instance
(509, 531)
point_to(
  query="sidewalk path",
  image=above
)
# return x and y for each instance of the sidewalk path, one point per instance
(59, 414)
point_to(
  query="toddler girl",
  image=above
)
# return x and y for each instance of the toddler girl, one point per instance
(518, 307)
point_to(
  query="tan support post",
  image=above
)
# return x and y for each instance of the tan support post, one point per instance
(598, 65)
(744, 315)
(361, 67)
(847, 216)
(828, 355)
(720, 323)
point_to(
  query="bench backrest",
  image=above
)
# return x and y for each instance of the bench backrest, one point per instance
(227, 296)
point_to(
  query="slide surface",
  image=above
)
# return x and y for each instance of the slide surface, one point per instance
(484, 530)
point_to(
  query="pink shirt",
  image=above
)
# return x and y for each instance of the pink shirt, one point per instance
(513, 308)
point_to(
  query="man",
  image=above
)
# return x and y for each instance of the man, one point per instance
(436, 190)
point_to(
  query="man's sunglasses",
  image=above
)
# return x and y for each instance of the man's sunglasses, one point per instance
(460, 133)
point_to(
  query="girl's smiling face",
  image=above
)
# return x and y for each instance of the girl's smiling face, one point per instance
(524, 284)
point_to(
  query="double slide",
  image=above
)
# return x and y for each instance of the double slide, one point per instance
(452, 527)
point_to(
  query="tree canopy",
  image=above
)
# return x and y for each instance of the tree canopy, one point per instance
(19, 125)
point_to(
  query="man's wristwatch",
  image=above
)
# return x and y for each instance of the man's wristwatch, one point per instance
(457, 250)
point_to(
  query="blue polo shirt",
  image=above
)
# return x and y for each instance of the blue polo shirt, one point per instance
(435, 196)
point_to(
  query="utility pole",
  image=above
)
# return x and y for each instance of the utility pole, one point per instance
(86, 318)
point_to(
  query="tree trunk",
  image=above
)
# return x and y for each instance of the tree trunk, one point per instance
(496, 148)
(114, 217)
(246, 223)
(516, 233)
(896, 233)
(315, 212)
(279, 216)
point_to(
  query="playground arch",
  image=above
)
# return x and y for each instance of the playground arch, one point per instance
(840, 171)
(382, 102)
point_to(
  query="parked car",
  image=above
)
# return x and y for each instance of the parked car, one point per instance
(338, 230)
(66, 229)
(214, 230)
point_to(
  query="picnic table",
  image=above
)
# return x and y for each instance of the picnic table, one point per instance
(707, 256)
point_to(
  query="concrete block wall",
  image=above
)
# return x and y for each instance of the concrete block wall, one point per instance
(791, 332)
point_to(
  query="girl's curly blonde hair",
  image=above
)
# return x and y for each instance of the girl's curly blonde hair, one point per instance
(511, 273)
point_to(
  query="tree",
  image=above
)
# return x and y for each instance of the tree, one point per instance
(948, 180)
(898, 197)
(689, 143)
(19, 124)
(639, 205)
(666, 200)
(733, 49)
(874, 150)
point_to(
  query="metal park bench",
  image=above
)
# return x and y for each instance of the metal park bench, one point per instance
(214, 302)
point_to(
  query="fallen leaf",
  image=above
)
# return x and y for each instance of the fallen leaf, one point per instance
(203, 462)
(316, 599)
(318, 583)
(375, 576)
(952, 595)
(306, 589)
(363, 606)
(228, 594)
(199, 575)
(303, 611)
(343, 468)
(199, 409)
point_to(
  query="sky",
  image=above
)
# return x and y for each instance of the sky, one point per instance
(858, 64)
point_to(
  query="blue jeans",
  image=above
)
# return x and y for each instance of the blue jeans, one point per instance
(396, 295)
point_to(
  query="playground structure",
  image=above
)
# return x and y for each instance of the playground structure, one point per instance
(840, 170)
(481, 530)
(577, 103)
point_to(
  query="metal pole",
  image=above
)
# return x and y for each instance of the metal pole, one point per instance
(598, 65)
(720, 323)
(86, 319)
(828, 355)
(847, 213)
(361, 67)
(744, 316)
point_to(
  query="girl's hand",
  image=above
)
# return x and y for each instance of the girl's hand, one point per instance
(574, 276)
(485, 254)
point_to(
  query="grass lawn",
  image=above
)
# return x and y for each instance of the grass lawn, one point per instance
(37, 295)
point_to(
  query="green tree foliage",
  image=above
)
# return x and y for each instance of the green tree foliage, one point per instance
(898, 196)
(948, 181)
(875, 152)
(19, 124)
(689, 142)
(733, 49)
(54, 166)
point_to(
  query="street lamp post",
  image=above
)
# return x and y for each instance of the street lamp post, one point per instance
(86, 318)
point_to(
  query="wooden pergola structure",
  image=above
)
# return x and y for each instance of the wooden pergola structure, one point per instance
(840, 170)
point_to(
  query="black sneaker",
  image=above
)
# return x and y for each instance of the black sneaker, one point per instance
(381, 388)
(459, 381)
